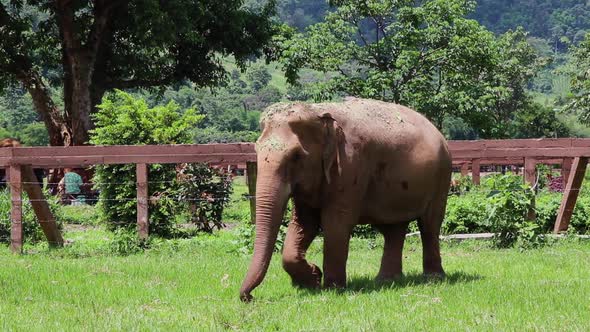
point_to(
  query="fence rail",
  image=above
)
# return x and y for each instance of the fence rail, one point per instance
(572, 154)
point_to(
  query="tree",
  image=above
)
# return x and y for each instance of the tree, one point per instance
(91, 47)
(258, 77)
(428, 56)
(123, 119)
(580, 75)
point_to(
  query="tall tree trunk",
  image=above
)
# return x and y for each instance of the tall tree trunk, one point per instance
(81, 105)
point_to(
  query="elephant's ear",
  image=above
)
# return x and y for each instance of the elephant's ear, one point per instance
(333, 137)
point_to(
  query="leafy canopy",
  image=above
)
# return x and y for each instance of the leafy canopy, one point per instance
(426, 54)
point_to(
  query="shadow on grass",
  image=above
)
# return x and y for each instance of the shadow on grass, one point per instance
(369, 285)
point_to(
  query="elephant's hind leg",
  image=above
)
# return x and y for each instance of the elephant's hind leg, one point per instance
(429, 226)
(301, 232)
(391, 262)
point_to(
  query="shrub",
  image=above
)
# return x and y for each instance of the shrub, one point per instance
(206, 191)
(546, 208)
(465, 214)
(126, 242)
(124, 120)
(580, 222)
(509, 202)
(32, 231)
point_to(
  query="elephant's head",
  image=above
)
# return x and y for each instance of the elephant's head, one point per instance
(297, 152)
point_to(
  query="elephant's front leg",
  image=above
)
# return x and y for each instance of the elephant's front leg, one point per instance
(303, 229)
(337, 225)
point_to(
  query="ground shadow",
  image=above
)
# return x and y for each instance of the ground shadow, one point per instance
(369, 284)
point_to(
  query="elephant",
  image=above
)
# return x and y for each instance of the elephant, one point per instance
(358, 161)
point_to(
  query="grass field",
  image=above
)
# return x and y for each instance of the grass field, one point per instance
(193, 284)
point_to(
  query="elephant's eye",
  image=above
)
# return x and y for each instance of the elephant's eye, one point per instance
(297, 156)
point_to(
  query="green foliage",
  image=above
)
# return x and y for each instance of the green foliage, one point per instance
(125, 242)
(206, 191)
(214, 135)
(580, 75)
(124, 120)
(429, 56)
(34, 134)
(31, 228)
(509, 202)
(537, 121)
(465, 214)
(455, 128)
(501, 205)
(4, 133)
(19, 120)
(89, 50)
(258, 76)
(559, 22)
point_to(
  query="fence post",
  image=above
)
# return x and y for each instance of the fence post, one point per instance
(142, 201)
(41, 207)
(570, 194)
(530, 171)
(464, 169)
(566, 168)
(251, 176)
(475, 169)
(16, 211)
(530, 177)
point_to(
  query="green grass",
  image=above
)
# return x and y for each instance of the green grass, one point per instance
(239, 208)
(193, 284)
(80, 214)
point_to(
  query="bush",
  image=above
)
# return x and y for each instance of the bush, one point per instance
(580, 222)
(509, 203)
(465, 214)
(206, 192)
(546, 208)
(32, 231)
(124, 120)
(126, 242)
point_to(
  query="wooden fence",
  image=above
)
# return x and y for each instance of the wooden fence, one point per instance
(469, 156)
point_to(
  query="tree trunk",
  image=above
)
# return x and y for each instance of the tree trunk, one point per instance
(80, 109)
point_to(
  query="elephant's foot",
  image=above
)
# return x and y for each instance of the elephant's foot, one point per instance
(311, 279)
(334, 283)
(434, 275)
(389, 277)
(246, 297)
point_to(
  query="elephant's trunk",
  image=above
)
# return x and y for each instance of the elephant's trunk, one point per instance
(272, 194)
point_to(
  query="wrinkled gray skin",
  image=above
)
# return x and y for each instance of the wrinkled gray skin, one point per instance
(356, 162)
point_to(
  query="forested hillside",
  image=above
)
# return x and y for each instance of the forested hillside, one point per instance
(558, 21)
(552, 20)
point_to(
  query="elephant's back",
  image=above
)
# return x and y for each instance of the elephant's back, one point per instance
(388, 125)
